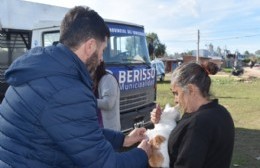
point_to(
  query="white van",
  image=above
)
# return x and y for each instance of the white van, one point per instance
(126, 55)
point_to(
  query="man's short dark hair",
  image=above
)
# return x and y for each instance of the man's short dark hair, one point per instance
(80, 24)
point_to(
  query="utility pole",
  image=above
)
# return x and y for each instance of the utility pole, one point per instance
(198, 50)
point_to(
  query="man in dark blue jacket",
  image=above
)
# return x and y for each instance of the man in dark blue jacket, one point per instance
(48, 116)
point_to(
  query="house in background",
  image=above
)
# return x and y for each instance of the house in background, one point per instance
(232, 60)
(225, 60)
(171, 62)
(205, 55)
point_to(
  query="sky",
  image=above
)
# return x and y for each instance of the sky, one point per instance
(229, 24)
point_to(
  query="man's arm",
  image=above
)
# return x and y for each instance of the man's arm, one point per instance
(71, 121)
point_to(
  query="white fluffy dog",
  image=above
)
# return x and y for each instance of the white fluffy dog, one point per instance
(158, 136)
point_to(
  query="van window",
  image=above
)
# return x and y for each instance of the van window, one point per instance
(49, 37)
(126, 49)
(127, 45)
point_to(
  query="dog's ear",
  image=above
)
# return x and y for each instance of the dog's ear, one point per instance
(153, 143)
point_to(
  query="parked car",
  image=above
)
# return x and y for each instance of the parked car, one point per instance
(158, 65)
(257, 65)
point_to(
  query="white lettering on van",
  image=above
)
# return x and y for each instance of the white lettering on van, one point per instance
(122, 77)
(137, 78)
(136, 75)
(129, 76)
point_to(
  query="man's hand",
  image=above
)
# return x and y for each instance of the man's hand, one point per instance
(146, 147)
(156, 114)
(137, 135)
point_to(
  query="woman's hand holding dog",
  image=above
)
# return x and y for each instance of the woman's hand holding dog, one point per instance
(156, 114)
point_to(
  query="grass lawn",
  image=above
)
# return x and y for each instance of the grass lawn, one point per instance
(242, 99)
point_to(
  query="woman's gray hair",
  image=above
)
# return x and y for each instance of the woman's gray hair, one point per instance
(197, 74)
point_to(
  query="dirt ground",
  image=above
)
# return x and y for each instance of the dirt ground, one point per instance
(251, 72)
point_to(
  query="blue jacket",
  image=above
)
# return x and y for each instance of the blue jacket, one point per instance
(48, 117)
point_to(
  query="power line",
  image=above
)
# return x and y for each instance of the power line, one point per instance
(231, 30)
(205, 32)
(214, 39)
(229, 38)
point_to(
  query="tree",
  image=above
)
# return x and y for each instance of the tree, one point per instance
(211, 48)
(189, 53)
(156, 48)
(257, 52)
(246, 52)
(152, 37)
(219, 51)
(151, 48)
(160, 50)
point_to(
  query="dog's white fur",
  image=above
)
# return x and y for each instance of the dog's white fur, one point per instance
(167, 123)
